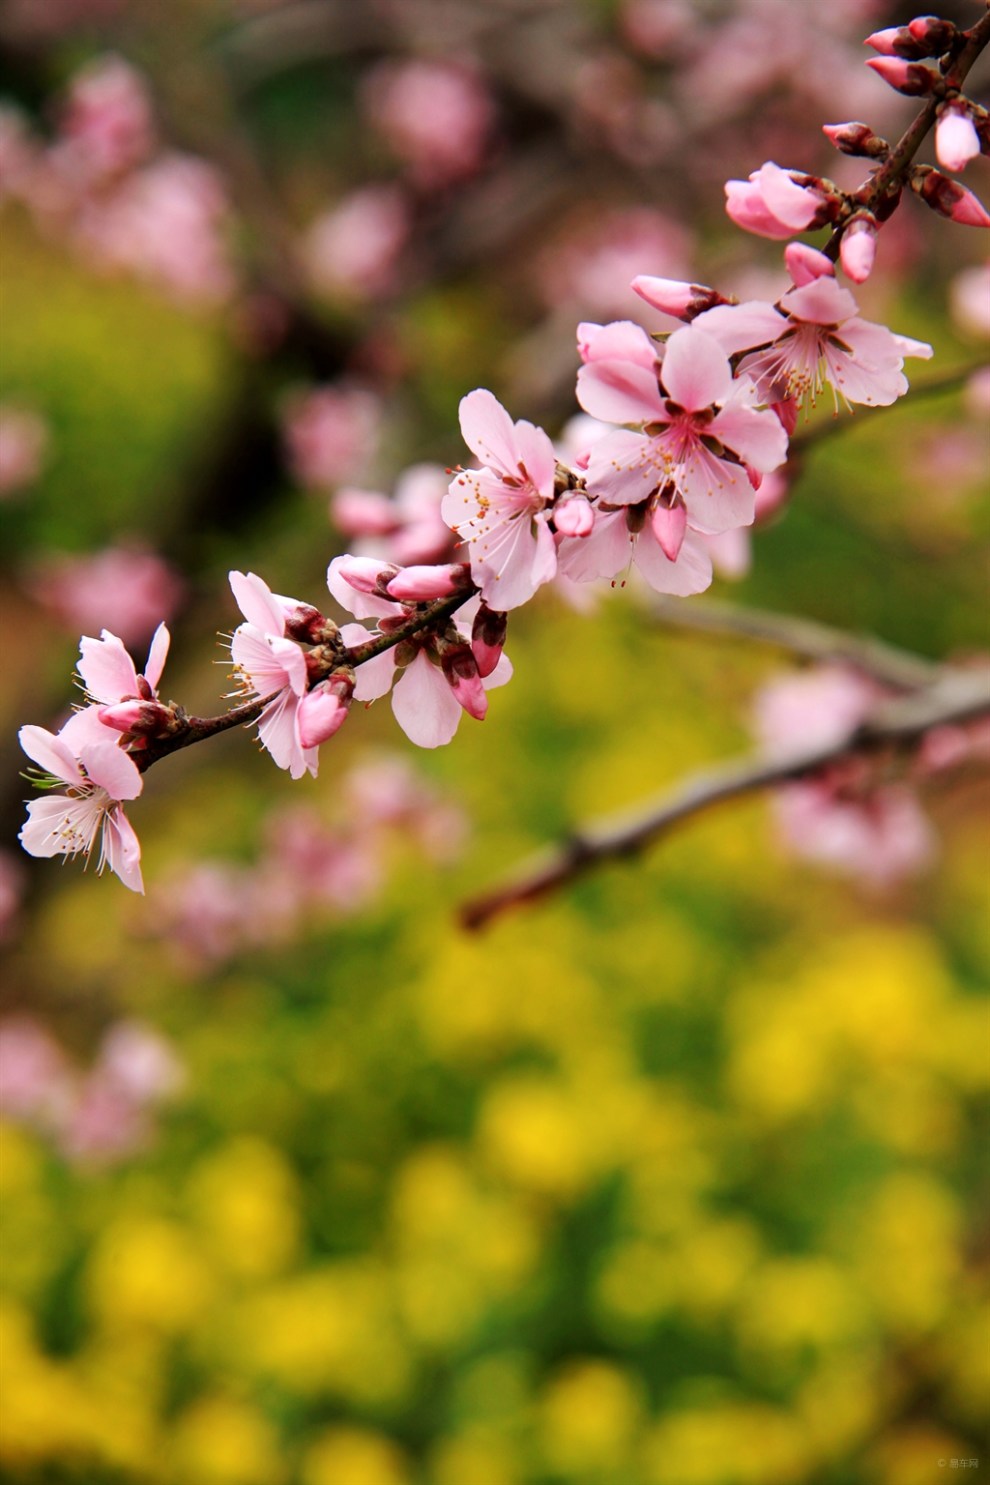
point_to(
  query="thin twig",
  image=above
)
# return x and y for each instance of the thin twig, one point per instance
(957, 696)
(900, 669)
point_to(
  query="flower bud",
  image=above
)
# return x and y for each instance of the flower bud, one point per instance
(308, 626)
(367, 574)
(669, 522)
(948, 197)
(913, 79)
(487, 638)
(143, 718)
(933, 33)
(857, 139)
(323, 710)
(682, 300)
(464, 678)
(858, 247)
(422, 584)
(574, 517)
(956, 139)
(805, 263)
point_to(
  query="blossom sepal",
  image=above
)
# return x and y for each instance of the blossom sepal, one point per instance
(140, 718)
(857, 139)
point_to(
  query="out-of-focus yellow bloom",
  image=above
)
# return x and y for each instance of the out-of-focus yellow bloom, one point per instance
(712, 1264)
(245, 1199)
(20, 1160)
(841, 1403)
(913, 1455)
(219, 1441)
(330, 1329)
(960, 1048)
(146, 1271)
(905, 1246)
(965, 1356)
(909, 1110)
(538, 1136)
(588, 1419)
(727, 1444)
(473, 1461)
(34, 1241)
(635, 1285)
(354, 1456)
(44, 1412)
(791, 1304)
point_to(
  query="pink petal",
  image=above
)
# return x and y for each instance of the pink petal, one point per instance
(488, 431)
(110, 768)
(785, 199)
(424, 705)
(361, 605)
(157, 655)
(122, 849)
(106, 668)
(696, 370)
(603, 554)
(621, 340)
(823, 302)
(691, 573)
(59, 826)
(620, 392)
(669, 527)
(756, 436)
(51, 753)
(277, 731)
(257, 602)
(741, 327)
(268, 662)
(537, 456)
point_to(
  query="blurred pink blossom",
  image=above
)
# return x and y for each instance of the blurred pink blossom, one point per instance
(437, 117)
(34, 1073)
(408, 528)
(353, 250)
(969, 300)
(124, 589)
(106, 123)
(331, 434)
(24, 440)
(593, 264)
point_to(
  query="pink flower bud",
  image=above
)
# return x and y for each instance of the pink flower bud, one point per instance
(323, 710)
(307, 625)
(805, 264)
(857, 139)
(366, 574)
(682, 300)
(932, 33)
(913, 79)
(464, 678)
(144, 718)
(948, 197)
(887, 41)
(858, 247)
(669, 523)
(422, 584)
(956, 139)
(487, 639)
(574, 517)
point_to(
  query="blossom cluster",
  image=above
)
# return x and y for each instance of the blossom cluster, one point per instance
(681, 430)
(98, 1114)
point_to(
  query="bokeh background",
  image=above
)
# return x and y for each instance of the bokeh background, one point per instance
(676, 1179)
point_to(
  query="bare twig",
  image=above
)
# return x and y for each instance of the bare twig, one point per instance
(899, 669)
(956, 696)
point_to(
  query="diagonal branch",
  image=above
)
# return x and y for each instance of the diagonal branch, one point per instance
(805, 637)
(957, 696)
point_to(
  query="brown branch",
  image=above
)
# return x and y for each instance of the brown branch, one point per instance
(189, 730)
(900, 669)
(957, 696)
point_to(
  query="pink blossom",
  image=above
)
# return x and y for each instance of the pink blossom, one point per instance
(11, 895)
(100, 777)
(126, 588)
(140, 1063)
(23, 445)
(168, 223)
(969, 300)
(877, 838)
(407, 529)
(433, 677)
(813, 709)
(109, 674)
(331, 433)
(354, 250)
(956, 139)
(34, 1073)
(502, 510)
(590, 263)
(772, 203)
(106, 121)
(436, 116)
(824, 342)
(102, 1123)
(858, 248)
(701, 435)
(267, 663)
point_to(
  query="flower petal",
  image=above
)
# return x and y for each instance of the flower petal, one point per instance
(110, 768)
(696, 370)
(256, 602)
(424, 705)
(107, 670)
(157, 655)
